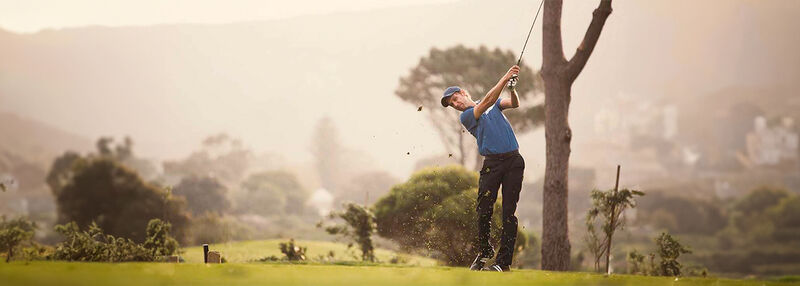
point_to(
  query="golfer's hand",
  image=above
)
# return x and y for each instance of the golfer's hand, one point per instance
(514, 70)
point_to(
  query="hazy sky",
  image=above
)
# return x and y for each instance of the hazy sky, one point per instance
(34, 15)
(648, 49)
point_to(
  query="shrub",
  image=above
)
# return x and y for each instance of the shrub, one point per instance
(636, 264)
(13, 233)
(435, 211)
(93, 245)
(609, 206)
(359, 227)
(669, 249)
(292, 251)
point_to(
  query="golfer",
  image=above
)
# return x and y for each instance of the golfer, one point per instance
(502, 165)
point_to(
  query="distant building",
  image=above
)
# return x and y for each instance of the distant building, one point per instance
(771, 145)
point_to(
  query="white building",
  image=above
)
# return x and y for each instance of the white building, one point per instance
(770, 145)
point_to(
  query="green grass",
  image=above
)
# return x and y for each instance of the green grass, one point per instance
(140, 274)
(247, 251)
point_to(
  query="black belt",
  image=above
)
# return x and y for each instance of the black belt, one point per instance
(502, 156)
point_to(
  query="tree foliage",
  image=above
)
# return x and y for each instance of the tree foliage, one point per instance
(434, 211)
(203, 194)
(760, 199)
(608, 206)
(359, 227)
(61, 171)
(766, 215)
(272, 193)
(682, 214)
(477, 71)
(221, 156)
(293, 252)
(669, 249)
(93, 245)
(159, 241)
(786, 219)
(14, 233)
(328, 152)
(103, 191)
(210, 227)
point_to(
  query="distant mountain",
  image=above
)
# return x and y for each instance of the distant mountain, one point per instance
(34, 142)
(27, 149)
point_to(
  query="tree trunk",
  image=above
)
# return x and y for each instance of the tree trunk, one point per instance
(558, 75)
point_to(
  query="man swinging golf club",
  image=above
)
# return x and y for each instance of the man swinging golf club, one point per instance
(502, 165)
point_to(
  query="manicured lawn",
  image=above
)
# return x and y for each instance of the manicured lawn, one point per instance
(247, 251)
(146, 274)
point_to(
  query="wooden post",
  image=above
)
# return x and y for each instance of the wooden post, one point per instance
(205, 253)
(611, 223)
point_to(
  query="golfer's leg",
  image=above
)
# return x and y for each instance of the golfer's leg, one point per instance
(512, 185)
(488, 184)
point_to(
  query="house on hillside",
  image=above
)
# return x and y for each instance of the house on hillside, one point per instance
(771, 145)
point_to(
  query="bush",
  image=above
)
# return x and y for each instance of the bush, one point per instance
(636, 263)
(435, 211)
(293, 252)
(159, 242)
(359, 227)
(95, 246)
(13, 233)
(608, 206)
(669, 249)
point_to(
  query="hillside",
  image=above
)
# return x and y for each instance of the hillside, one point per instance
(169, 86)
(32, 141)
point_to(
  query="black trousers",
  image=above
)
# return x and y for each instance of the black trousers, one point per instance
(503, 169)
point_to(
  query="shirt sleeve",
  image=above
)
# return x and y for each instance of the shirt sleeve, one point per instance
(497, 104)
(468, 119)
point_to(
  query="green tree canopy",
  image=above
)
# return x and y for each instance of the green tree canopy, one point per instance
(61, 171)
(359, 227)
(115, 197)
(221, 156)
(434, 211)
(13, 233)
(786, 217)
(203, 194)
(760, 199)
(271, 193)
(477, 71)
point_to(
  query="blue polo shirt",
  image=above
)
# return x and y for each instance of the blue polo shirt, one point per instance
(492, 130)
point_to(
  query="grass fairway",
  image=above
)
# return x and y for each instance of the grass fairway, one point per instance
(247, 251)
(140, 274)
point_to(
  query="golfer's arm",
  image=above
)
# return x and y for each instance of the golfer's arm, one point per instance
(512, 102)
(490, 98)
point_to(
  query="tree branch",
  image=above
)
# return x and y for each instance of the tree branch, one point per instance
(578, 61)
